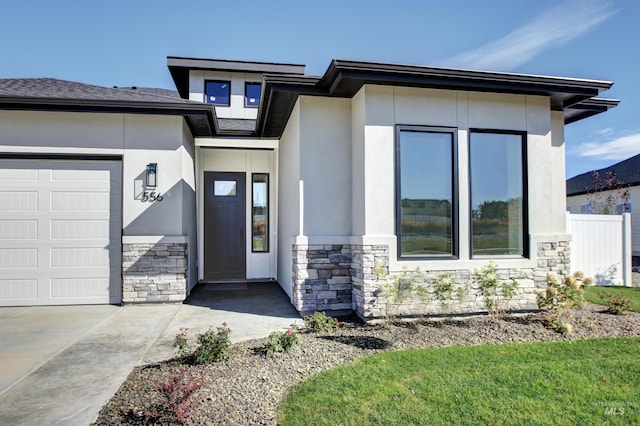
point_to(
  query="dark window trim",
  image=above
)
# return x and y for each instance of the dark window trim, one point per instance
(257, 83)
(526, 253)
(454, 188)
(217, 81)
(267, 240)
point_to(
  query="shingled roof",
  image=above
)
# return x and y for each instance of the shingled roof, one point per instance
(55, 89)
(50, 94)
(627, 173)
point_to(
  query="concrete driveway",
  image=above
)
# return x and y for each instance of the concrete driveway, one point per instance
(60, 365)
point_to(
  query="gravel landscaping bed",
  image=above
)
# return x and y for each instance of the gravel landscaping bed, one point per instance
(247, 388)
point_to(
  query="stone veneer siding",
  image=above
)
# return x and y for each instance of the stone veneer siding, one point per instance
(553, 258)
(322, 278)
(335, 278)
(154, 272)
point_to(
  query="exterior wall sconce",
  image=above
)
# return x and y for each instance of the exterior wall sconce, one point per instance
(152, 175)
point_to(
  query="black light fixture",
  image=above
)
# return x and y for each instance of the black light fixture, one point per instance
(152, 175)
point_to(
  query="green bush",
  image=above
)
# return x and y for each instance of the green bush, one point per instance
(492, 287)
(281, 341)
(616, 304)
(319, 321)
(211, 346)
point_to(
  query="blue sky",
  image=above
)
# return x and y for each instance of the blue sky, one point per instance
(126, 43)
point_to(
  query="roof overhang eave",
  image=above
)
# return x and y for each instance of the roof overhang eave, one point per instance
(588, 108)
(188, 110)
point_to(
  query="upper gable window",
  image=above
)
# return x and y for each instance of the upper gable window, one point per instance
(252, 94)
(217, 92)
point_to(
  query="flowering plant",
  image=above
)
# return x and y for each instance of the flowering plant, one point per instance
(282, 341)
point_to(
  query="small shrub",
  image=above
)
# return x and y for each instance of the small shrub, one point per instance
(179, 394)
(443, 285)
(211, 346)
(319, 321)
(559, 299)
(403, 287)
(616, 304)
(492, 287)
(282, 341)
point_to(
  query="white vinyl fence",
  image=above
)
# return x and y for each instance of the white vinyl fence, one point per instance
(601, 247)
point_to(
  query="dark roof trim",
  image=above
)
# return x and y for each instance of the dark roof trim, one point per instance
(279, 94)
(587, 108)
(463, 79)
(202, 114)
(345, 78)
(179, 68)
(241, 66)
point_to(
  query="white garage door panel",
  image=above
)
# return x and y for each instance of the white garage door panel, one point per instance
(60, 232)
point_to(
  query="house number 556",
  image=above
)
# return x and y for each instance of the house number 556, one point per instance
(151, 197)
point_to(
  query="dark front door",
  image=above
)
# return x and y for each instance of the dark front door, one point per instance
(224, 226)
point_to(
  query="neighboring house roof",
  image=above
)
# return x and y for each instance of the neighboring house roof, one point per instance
(576, 97)
(627, 173)
(50, 94)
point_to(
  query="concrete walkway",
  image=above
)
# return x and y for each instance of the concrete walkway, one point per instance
(60, 365)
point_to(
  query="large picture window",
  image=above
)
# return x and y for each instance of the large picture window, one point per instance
(498, 196)
(426, 206)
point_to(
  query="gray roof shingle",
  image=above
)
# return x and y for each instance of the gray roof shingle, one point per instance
(236, 124)
(52, 88)
(627, 173)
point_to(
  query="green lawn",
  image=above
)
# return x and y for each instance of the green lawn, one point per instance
(632, 293)
(565, 383)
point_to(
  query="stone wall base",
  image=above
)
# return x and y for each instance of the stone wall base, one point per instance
(154, 272)
(340, 278)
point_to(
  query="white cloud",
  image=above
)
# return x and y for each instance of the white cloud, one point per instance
(555, 27)
(619, 147)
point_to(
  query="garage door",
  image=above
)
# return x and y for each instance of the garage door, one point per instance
(60, 232)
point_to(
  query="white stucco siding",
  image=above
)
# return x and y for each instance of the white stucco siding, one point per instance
(189, 211)
(289, 188)
(558, 168)
(61, 132)
(150, 139)
(325, 165)
(358, 212)
(497, 111)
(420, 106)
(378, 158)
(236, 108)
